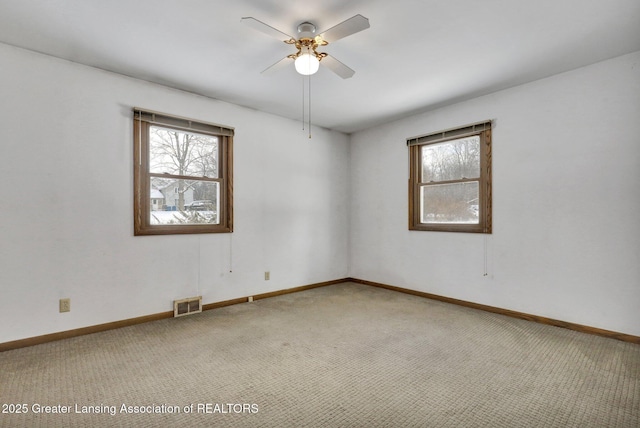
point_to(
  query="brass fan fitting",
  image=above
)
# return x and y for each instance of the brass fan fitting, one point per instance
(309, 45)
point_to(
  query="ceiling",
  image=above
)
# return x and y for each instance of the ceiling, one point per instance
(417, 55)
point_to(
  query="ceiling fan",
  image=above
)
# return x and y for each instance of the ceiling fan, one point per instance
(307, 59)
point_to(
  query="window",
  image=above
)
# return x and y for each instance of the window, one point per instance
(450, 180)
(182, 175)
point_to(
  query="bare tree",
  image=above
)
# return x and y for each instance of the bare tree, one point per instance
(184, 154)
(448, 163)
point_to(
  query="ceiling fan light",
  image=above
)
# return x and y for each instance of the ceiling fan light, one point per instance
(307, 64)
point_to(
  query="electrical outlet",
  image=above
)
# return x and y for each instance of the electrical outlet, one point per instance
(267, 275)
(65, 305)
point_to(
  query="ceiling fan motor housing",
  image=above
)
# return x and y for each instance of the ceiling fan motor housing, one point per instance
(306, 29)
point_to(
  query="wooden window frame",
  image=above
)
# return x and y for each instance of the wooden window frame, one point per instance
(143, 121)
(484, 225)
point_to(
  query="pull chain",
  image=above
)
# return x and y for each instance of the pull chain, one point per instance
(486, 262)
(308, 116)
(309, 106)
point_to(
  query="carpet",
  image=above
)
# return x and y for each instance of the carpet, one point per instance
(345, 355)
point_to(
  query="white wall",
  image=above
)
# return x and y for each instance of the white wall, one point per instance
(66, 228)
(566, 202)
(566, 245)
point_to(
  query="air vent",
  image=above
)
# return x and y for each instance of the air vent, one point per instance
(187, 306)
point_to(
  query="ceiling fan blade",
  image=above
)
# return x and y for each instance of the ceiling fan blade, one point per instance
(345, 28)
(277, 66)
(265, 28)
(337, 67)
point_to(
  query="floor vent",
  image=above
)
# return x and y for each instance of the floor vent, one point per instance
(188, 306)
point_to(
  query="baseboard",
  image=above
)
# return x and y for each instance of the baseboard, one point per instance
(37, 340)
(301, 288)
(515, 314)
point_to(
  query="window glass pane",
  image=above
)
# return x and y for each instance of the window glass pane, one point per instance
(451, 160)
(450, 203)
(197, 202)
(182, 153)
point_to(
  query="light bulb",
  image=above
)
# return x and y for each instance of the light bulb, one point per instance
(307, 64)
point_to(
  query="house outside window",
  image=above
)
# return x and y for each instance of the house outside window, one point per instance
(169, 189)
(157, 199)
(450, 180)
(186, 168)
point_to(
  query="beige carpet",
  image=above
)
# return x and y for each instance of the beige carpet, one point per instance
(347, 355)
